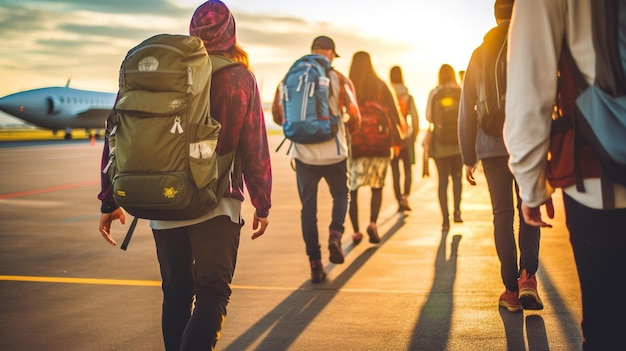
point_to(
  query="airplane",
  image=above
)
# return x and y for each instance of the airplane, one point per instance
(61, 108)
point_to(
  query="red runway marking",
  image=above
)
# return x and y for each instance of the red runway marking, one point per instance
(47, 190)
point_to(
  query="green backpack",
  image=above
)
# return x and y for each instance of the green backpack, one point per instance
(162, 138)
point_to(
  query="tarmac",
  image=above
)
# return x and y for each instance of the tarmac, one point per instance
(63, 288)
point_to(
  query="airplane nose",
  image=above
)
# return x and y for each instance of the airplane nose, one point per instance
(12, 104)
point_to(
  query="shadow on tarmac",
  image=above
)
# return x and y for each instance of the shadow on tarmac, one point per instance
(432, 330)
(288, 320)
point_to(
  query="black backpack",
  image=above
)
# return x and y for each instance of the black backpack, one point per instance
(446, 114)
(492, 84)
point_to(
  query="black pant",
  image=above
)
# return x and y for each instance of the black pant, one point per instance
(501, 188)
(197, 260)
(447, 167)
(405, 157)
(598, 238)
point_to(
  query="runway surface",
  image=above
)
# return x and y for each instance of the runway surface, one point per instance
(62, 287)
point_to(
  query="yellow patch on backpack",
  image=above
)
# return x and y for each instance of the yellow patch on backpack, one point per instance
(446, 101)
(169, 193)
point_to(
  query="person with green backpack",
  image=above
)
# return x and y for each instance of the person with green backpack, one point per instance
(197, 253)
(554, 46)
(442, 111)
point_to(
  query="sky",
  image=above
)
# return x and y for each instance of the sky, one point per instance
(46, 42)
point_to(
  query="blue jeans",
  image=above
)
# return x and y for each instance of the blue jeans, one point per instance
(197, 260)
(501, 184)
(598, 239)
(308, 178)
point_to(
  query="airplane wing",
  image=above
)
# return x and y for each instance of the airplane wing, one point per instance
(93, 113)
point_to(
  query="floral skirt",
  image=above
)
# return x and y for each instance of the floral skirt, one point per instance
(368, 171)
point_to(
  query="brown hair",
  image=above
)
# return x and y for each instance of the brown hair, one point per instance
(363, 77)
(395, 75)
(447, 75)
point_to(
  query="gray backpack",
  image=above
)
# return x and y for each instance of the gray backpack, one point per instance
(162, 139)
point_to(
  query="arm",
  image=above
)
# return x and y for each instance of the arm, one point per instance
(429, 112)
(243, 129)
(254, 152)
(108, 208)
(349, 105)
(415, 118)
(535, 37)
(468, 122)
(277, 107)
(393, 115)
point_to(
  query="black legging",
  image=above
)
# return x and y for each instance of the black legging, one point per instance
(395, 172)
(450, 166)
(377, 200)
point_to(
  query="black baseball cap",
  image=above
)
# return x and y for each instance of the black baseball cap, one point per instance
(324, 43)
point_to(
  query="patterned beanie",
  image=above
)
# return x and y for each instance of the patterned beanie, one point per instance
(215, 25)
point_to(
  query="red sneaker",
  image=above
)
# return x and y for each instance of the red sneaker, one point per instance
(356, 238)
(528, 295)
(509, 300)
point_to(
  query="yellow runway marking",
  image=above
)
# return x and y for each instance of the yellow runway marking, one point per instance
(131, 282)
(94, 281)
(127, 282)
(81, 280)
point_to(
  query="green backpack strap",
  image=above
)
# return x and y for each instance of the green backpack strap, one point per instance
(218, 62)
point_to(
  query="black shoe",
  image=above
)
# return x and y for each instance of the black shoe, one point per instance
(403, 204)
(457, 217)
(318, 274)
(372, 232)
(334, 247)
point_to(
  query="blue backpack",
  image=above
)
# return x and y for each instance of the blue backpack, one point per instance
(305, 91)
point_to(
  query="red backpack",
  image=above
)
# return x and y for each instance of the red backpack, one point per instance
(373, 138)
(587, 140)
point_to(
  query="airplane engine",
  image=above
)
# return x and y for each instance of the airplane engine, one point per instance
(54, 105)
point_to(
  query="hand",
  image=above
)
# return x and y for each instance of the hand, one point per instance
(532, 215)
(255, 224)
(469, 174)
(105, 224)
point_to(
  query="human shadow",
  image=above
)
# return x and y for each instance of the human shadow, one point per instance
(432, 330)
(280, 327)
(514, 329)
(567, 319)
(536, 333)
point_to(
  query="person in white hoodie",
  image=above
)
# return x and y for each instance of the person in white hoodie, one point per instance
(537, 34)
(406, 152)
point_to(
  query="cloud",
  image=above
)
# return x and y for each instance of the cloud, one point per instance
(46, 42)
